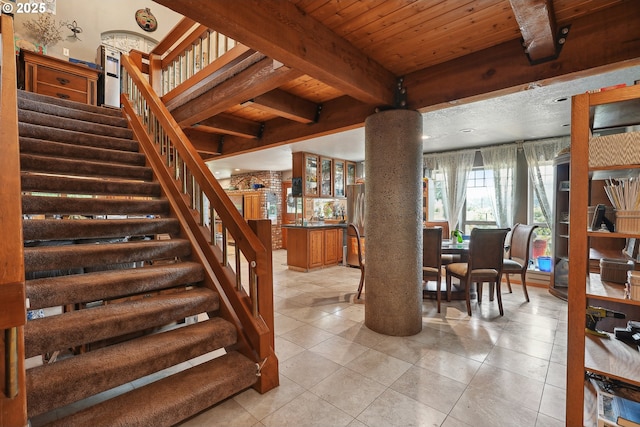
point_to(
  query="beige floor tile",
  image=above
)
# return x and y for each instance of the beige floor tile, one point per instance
(284, 324)
(430, 388)
(308, 368)
(533, 332)
(450, 365)
(478, 408)
(307, 336)
(379, 366)
(559, 354)
(307, 410)
(466, 347)
(286, 349)
(452, 422)
(557, 375)
(304, 314)
(227, 413)
(395, 409)
(403, 348)
(261, 405)
(509, 386)
(553, 402)
(520, 363)
(348, 390)
(546, 421)
(333, 323)
(523, 343)
(362, 335)
(339, 350)
(355, 313)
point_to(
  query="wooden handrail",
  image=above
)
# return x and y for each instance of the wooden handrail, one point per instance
(12, 286)
(176, 164)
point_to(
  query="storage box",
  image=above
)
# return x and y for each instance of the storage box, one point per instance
(616, 149)
(615, 270)
(628, 221)
(633, 285)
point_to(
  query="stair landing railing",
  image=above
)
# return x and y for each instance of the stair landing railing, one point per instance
(13, 401)
(212, 216)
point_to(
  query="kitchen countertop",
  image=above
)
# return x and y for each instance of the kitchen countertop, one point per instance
(316, 225)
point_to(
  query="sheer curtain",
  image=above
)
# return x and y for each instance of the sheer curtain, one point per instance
(455, 167)
(502, 160)
(539, 153)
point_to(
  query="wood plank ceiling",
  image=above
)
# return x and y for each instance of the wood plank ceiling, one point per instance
(325, 65)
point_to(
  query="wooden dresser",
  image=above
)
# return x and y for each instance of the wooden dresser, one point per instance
(63, 79)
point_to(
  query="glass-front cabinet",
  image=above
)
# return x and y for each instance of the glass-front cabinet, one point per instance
(326, 183)
(351, 173)
(311, 174)
(338, 178)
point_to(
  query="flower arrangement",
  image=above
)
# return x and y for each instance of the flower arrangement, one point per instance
(44, 29)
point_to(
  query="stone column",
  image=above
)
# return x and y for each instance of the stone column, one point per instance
(393, 222)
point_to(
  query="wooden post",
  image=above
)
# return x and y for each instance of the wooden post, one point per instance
(269, 374)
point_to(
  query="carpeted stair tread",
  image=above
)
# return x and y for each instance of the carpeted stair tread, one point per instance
(71, 113)
(75, 229)
(93, 186)
(79, 152)
(80, 206)
(57, 165)
(75, 378)
(174, 398)
(74, 137)
(75, 328)
(43, 258)
(36, 118)
(22, 94)
(110, 284)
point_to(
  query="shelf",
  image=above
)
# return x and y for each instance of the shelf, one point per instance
(607, 291)
(612, 358)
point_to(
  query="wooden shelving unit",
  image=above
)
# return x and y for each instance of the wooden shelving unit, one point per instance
(559, 283)
(587, 353)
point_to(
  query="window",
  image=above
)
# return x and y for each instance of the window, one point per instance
(478, 209)
(436, 198)
(542, 240)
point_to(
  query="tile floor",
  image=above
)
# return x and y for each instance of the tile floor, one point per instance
(460, 371)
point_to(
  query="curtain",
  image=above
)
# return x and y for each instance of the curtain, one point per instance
(502, 160)
(455, 167)
(539, 153)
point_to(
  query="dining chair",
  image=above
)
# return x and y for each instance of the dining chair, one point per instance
(486, 256)
(446, 258)
(432, 258)
(518, 259)
(360, 258)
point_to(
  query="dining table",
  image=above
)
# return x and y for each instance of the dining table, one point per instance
(449, 246)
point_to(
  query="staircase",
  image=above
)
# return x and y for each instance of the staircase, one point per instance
(124, 302)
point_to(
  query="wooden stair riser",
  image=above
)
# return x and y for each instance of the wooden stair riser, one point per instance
(71, 113)
(32, 163)
(75, 328)
(42, 119)
(73, 137)
(65, 151)
(106, 285)
(73, 379)
(73, 256)
(94, 186)
(174, 398)
(56, 229)
(34, 205)
(79, 106)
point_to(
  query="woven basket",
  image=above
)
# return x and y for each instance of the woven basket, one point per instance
(612, 150)
(628, 221)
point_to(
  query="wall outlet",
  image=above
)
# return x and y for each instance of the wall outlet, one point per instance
(65, 51)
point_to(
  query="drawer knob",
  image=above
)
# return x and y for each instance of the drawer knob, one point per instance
(62, 81)
(62, 95)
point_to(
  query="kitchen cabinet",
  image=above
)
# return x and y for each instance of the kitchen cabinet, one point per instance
(351, 173)
(594, 158)
(326, 181)
(62, 79)
(251, 206)
(338, 178)
(314, 246)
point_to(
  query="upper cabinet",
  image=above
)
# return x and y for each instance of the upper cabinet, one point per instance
(323, 176)
(338, 178)
(326, 183)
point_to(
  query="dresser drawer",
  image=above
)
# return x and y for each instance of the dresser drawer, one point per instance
(62, 92)
(61, 79)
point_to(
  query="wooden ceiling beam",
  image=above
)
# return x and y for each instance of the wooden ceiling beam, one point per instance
(600, 41)
(285, 105)
(281, 31)
(538, 28)
(230, 125)
(207, 144)
(261, 77)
